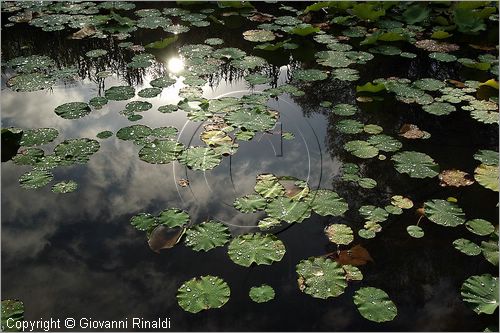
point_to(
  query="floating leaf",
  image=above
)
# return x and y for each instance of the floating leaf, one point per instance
(77, 150)
(490, 250)
(401, 202)
(160, 151)
(444, 213)
(373, 214)
(144, 221)
(72, 110)
(481, 292)
(259, 35)
(203, 293)
(65, 187)
(261, 294)
(415, 164)
(199, 158)
(442, 57)
(207, 235)
(344, 109)
(12, 311)
(415, 231)
(480, 227)
(309, 75)
(250, 203)
(467, 247)
(38, 136)
(455, 178)
(268, 223)
(374, 304)
(149, 92)
(138, 106)
(119, 93)
(487, 176)
(268, 186)
(287, 210)
(355, 256)
(339, 234)
(439, 109)
(173, 218)
(256, 248)
(321, 278)
(384, 142)
(326, 202)
(361, 149)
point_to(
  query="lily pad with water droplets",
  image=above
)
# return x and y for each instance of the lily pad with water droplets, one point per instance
(29, 156)
(259, 35)
(144, 221)
(203, 293)
(65, 187)
(261, 294)
(149, 92)
(35, 179)
(250, 203)
(481, 293)
(268, 186)
(248, 62)
(173, 217)
(160, 151)
(487, 157)
(349, 126)
(444, 213)
(309, 75)
(480, 227)
(138, 106)
(256, 248)
(487, 176)
(251, 120)
(162, 82)
(38, 136)
(326, 202)
(415, 231)
(31, 82)
(339, 234)
(285, 209)
(373, 214)
(361, 149)
(467, 247)
(119, 93)
(374, 304)
(200, 158)
(207, 235)
(321, 277)
(72, 110)
(385, 143)
(401, 202)
(77, 150)
(439, 109)
(415, 164)
(12, 311)
(268, 223)
(104, 134)
(134, 132)
(98, 102)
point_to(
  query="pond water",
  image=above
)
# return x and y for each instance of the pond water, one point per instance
(78, 255)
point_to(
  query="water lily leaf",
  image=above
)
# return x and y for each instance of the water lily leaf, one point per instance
(485, 116)
(214, 41)
(480, 227)
(144, 221)
(203, 293)
(467, 247)
(38, 136)
(344, 109)
(349, 126)
(439, 109)
(165, 132)
(335, 59)
(370, 87)
(262, 294)
(160, 151)
(200, 158)
(487, 176)
(119, 93)
(162, 82)
(367, 182)
(340, 234)
(302, 29)
(31, 63)
(442, 57)
(268, 223)
(98, 102)
(490, 250)
(72, 110)
(173, 217)
(487, 157)
(268, 186)
(384, 142)
(256, 248)
(374, 304)
(361, 149)
(368, 11)
(346, 74)
(444, 213)
(373, 129)
(28, 156)
(138, 106)
(250, 203)
(415, 231)
(149, 92)
(366, 234)
(401, 202)
(321, 277)
(259, 35)
(207, 235)
(481, 292)
(251, 120)
(326, 202)
(248, 62)
(12, 311)
(455, 178)
(429, 84)
(31, 82)
(134, 132)
(35, 179)
(309, 75)
(415, 164)
(77, 150)
(416, 13)
(373, 214)
(285, 209)
(96, 53)
(216, 138)
(65, 187)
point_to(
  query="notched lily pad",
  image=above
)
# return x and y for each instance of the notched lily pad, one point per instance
(65, 187)
(200, 158)
(339, 234)
(38, 136)
(481, 293)
(467, 247)
(72, 110)
(374, 304)
(35, 179)
(119, 93)
(415, 164)
(256, 248)
(444, 213)
(160, 151)
(261, 294)
(321, 277)
(207, 235)
(203, 293)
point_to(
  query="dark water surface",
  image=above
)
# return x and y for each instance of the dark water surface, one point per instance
(76, 255)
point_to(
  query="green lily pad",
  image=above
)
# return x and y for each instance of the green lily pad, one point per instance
(321, 277)
(104, 134)
(77, 150)
(485, 117)
(38, 136)
(31, 82)
(203, 293)
(480, 227)
(373, 129)
(119, 93)
(444, 213)
(394, 210)
(262, 294)
(349, 126)
(30, 63)
(214, 41)
(415, 231)
(285, 209)
(340, 234)
(12, 311)
(401, 202)
(251, 120)
(35, 179)
(29, 156)
(268, 186)
(326, 202)
(149, 92)
(442, 57)
(165, 132)
(373, 214)
(256, 248)
(248, 62)
(429, 84)
(207, 235)
(72, 110)
(65, 187)
(144, 221)
(268, 223)
(200, 158)
(259, 35)
(216, 138)
(257, 78)
(374, 304)
(134, 132)
(169, 108)
(415, 164)
(490, 250)
(96, 53)
(160, 151)
(138, 106)
(487, 157)
(361, 149)
(367, 183)
(366, 234)
(439, 109)
(467, 247)
(250, 203)
(385, 143)
(162, 82)
(334, 59)
(481, 292)
(487, 176)
(173, 217)
(309, 75)
(98, 102)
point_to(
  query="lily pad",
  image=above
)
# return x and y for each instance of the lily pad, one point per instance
(309, 75)
(256, 248)
(344, 109)
(442, 57)
(401, 202)
(144, 221)
(415, 164)
(415, 231)
(72, 110)
(326, 202)
(480, 227)
(481, 292)
(199, 158)
(149, 92)
(374, 304)
(487, 176)
(207, 235)
(444, 213)
(250, 203)
(12, 311)
(340, 234)
(119, 93)
(259, 35)
(96, 53)
(487, 157)
(35, 179)
(268, 186)
(455, 178)
(173, 217)
(321, 277)
(38, 136)
(31, 82)
(285, 209)
(160, 151)
(439, 109)
(262, 294)
(65, 187)
(77, 150)
(361, 149)
(203, 293)
(467, 247)
(134, 132)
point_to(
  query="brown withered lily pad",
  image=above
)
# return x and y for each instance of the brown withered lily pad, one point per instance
(261, 17)
(163, 237)
(411, 131)
(455, 178)
(183, 182)
(86, 31)
(435, 46)
(355, 256)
